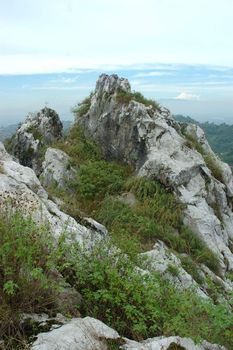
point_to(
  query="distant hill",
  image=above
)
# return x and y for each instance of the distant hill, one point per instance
(220, 137)
(7, 131)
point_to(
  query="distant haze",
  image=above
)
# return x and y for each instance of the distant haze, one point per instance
(177, 52)
(201, 91)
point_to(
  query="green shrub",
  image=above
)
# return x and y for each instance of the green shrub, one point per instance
(140, 305)
(99, 178)
(79, 147)
(125, 97)
(35, 132)
(26, 260)
(82, 108)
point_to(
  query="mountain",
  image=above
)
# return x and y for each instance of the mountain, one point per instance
(123, 239)
(219, 136)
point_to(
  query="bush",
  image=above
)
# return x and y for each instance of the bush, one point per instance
(79, 147)
(82, 108)
(99, 178)
(139, 305)
(26, 262)
(125, 97)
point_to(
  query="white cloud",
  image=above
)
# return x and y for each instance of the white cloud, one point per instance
(153, 74)
(187, 96)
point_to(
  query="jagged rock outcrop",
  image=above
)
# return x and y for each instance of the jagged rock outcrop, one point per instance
(29, 142)
(56, 169)
(157, 146)
(21, 190)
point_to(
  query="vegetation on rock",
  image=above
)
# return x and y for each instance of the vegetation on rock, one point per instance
(125, 97)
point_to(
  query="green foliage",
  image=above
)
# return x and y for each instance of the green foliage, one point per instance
(35, 132)
(79, 147)
(82, 108)
(173, 270)
(140, 305)
(96, 179)
(26, 259)
(125, 97)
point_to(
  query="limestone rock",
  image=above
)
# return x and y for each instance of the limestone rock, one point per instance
(165, 262)
(167, 343)
(56, 169)
(31, 138)
(21, 190)
(78, 334)
(152, 141)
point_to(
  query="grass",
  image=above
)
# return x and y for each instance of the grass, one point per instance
(125, 97)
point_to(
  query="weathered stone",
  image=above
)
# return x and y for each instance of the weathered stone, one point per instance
(149, 139)
(31, 138)
(56, 169)
(78, 334)
(21, 190)
(165, 262)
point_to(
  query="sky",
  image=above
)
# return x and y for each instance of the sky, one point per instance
(179, 52)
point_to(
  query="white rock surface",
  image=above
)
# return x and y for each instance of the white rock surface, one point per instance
(31, 138)
(152, 141)
(21, 190)
(56, 169)
(161, 259)
(165, 343)
(78, 334)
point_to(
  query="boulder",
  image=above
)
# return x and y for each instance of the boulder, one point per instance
(56, 169)
(78, 334)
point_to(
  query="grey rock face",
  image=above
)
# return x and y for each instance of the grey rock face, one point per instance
(56, 169)
(21, 190)
(150, 140)
(77, 334)
(31, 138)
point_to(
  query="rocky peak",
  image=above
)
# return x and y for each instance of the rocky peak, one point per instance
(39, 130)
(135, 130)
(111, 84)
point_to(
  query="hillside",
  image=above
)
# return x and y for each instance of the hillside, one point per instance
(117, 235)
(219, 136)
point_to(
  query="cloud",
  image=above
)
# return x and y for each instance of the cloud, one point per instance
(153, 74)
(187, 97)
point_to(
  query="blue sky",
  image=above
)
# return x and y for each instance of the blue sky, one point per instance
(179, 52)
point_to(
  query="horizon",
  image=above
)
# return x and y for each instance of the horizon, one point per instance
(177, 53)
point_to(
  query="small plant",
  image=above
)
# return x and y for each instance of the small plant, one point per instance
(82, 108)
(173, 270)
(35, 132)
(125, 97)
